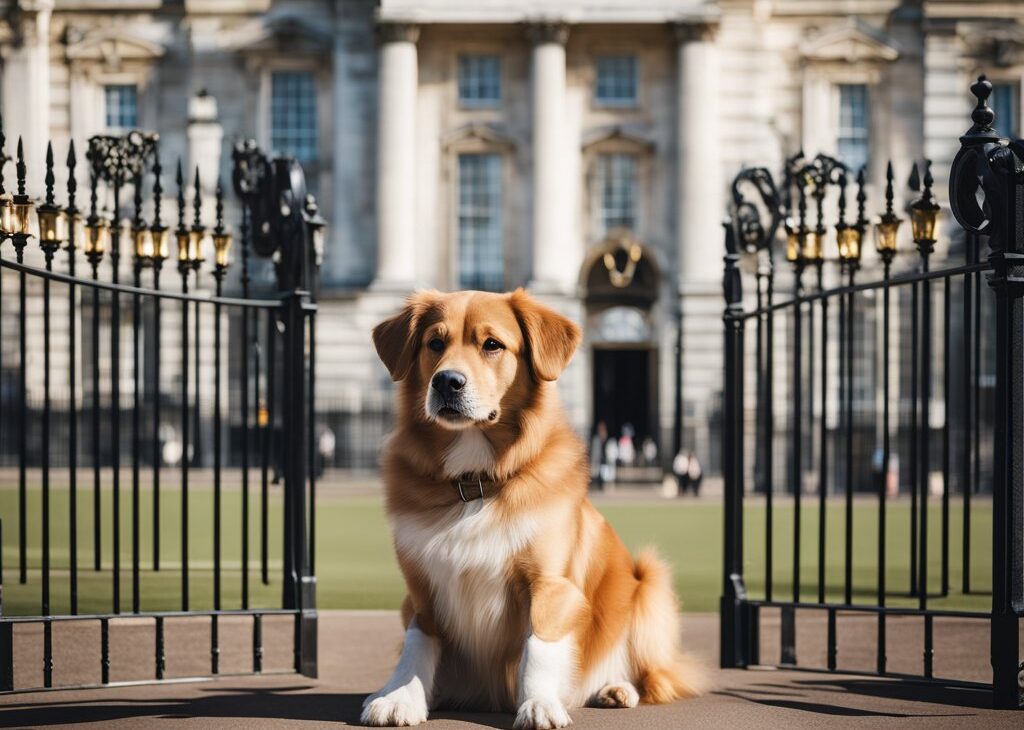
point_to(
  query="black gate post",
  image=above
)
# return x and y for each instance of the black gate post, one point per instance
(734, 643)
(1007, 279)
(986, 161)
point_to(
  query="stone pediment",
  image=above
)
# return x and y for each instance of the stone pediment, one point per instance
(112, 48)
(479, 134)
(850, 42)
(620, 137)
(280, 33)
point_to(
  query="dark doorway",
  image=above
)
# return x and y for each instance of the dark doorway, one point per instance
(624, 390)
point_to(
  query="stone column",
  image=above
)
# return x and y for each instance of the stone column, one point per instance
(699, 237)
(396, 155)
(204, 144)
(700, 201)
(555, 258)
(26, 85)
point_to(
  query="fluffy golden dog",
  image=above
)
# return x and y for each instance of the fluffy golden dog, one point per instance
(521, 597)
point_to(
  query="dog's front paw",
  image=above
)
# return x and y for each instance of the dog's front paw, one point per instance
(542, 714)
(401, 707)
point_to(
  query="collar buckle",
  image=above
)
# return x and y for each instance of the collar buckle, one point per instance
(476, 483)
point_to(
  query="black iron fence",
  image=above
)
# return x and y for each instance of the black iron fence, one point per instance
(115, 385)
(923, 367)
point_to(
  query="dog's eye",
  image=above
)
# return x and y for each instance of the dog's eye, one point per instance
(492, 345)
(436, 344)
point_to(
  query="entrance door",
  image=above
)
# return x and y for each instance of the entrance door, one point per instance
(623, 390)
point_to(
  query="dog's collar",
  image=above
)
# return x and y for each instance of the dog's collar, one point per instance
(471, 487)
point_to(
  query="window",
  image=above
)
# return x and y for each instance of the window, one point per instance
(479, 80)
(481, 250)
(122, 106)
(1005, 102)
(854, 125)
(293, 115)
(616, 80)
(616, 180)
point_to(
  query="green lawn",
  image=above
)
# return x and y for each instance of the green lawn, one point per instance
(356, 568)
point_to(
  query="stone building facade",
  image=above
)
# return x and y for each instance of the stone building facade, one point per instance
(580, 149)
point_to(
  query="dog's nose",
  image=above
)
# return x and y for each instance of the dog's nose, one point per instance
(447, 382)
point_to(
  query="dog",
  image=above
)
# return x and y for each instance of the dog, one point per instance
(521, 597)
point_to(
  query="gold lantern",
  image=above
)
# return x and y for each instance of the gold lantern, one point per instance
(52, 226)
(21, 216)
(222, 248)
(195, 246)
(792, 243)
(97, 237)
(849, 238)
(142, 240)
(161, 242)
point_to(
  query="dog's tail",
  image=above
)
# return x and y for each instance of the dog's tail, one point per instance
(663, 671)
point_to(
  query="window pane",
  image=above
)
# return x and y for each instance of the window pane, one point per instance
(1005, 102)
(479, 79)
(616, 79)
(481, 249)
(854, 125)
(293, 115)
(121, 102)
(616, 178)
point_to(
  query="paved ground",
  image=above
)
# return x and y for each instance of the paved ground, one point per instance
(357, 650)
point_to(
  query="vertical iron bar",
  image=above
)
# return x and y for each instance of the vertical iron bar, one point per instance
(929, 645)
(914, 439)
(161, 658)
(218, 275)
(968, 453)
(244, 391)
(311, 441)
(947, 446)
(850, 324)
(266, 445)
(769, 418)
(73, 313)
(115, 392)
(136, 394)
(6, 628)
(97, 512)
(732, 637)
(157, 401)
(925, 431)
(47, 653)
(49, 248)
(105, 650)
(257, 351)
(214, 645)
(823, 439)
(797, 433)
(136, 445)
(257, 643)
(880, 658)
(183, 269)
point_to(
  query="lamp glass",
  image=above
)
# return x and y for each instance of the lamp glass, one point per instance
(97, 236)
(21, 217)
(143, 239)
(161, 243)
(52, 225)
(195, 246)
(885, 235)
(221, 248)
(792, 246)
(813, 246)
(922, 223)
(6, 215)
(849, 244)
(183, 238)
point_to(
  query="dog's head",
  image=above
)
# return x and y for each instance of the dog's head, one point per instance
(464, 356)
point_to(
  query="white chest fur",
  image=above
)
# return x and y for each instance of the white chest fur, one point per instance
(465, 554)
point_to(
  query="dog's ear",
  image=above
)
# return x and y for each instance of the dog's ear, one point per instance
(397, 339)
(551, 339)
